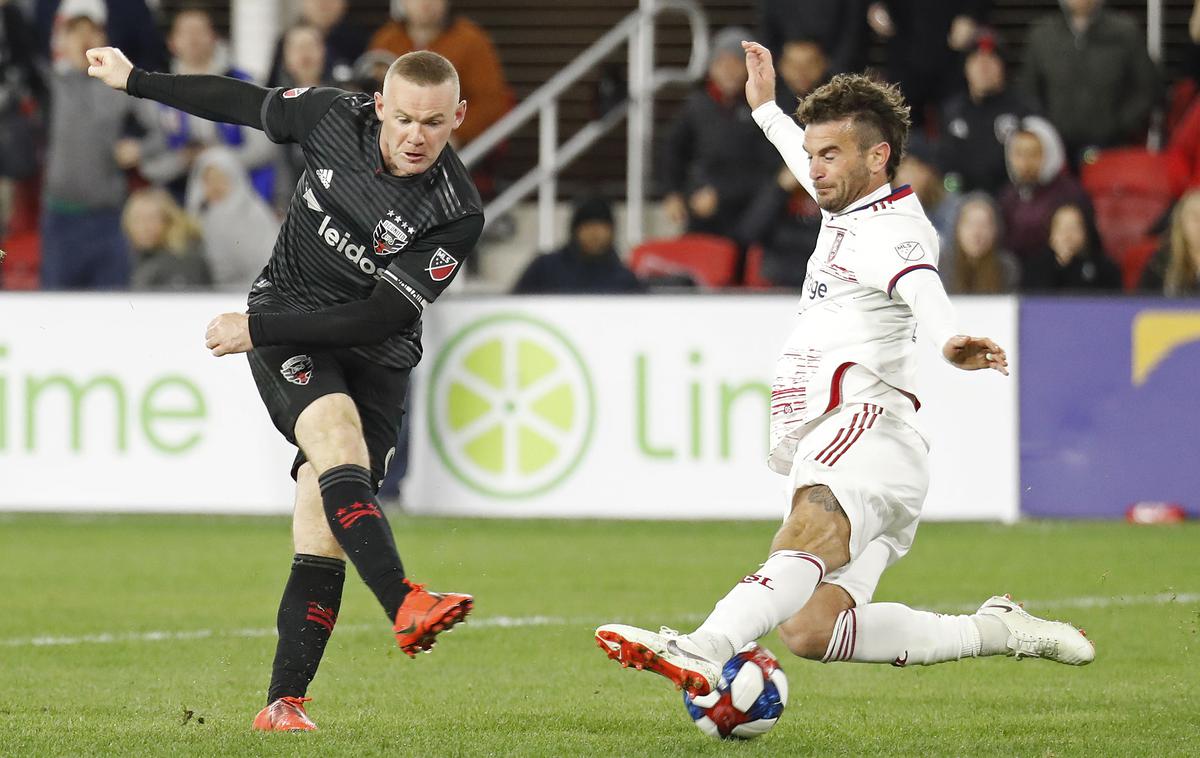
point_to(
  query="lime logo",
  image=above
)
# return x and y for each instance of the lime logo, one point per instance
(511, 406)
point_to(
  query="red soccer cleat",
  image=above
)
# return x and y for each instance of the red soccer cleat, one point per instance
(425, 614)
(285, 715)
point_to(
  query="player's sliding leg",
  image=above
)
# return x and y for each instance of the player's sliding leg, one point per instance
(330, 434)
(815, 537)
(830, 628)
(307, 611)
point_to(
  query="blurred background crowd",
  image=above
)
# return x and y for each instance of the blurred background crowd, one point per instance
(1050, 149)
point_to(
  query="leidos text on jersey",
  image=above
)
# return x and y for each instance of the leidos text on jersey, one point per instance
(355, 253)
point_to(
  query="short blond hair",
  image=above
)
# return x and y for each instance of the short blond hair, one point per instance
(425, 68)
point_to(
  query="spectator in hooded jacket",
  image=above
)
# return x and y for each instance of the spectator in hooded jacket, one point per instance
(1086, 68)
(587, 264)
(715, 158)
(239, 228)
(977, 122)
(1073, 259)
(1175, 268)
(1038, 183)
(802, 67)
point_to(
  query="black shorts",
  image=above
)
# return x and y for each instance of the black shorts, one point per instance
(289, 379)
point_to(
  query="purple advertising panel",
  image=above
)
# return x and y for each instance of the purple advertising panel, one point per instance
(1110, 405)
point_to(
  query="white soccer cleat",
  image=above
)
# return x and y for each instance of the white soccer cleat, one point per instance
(1032, 637)
(666, 652)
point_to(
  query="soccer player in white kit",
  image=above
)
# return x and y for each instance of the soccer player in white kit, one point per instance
(843, 413)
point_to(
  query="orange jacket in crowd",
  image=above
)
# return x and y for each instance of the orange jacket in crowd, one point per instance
(469, 48)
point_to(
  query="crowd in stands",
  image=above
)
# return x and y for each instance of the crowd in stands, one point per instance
(1033, 169)
(101, 191)
(1038, 182)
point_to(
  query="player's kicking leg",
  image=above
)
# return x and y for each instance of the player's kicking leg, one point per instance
(831, 628)
(330, 433)
(813, 537)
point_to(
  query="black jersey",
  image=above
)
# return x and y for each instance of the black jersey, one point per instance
(351, 223)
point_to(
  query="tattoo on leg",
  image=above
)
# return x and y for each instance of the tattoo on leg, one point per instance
(823, 496)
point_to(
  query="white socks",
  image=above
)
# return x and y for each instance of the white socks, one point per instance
(896, 634)
(762, 601)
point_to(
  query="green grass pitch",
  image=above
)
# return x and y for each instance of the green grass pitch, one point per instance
(84, 672)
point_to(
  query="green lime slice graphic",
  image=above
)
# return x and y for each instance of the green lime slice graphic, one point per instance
(511, 406)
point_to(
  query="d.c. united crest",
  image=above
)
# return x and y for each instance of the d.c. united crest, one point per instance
(298, 369)
(391, 235)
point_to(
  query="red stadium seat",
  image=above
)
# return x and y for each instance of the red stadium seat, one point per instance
(22, 260)
(753, 278)
(1135, 261)
(707, 259)
(1130, 189)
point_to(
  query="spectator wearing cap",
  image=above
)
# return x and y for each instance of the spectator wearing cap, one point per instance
(838, 27)
(343, 41)
(196, 48)
(95, 134)
(976, 123)
(128, 25)
(1086, 68)
(1038, 183)
(714, 157)
(921, 169)
(587, 264)
(428, 25)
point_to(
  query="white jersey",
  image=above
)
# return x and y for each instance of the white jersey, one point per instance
(855, 338)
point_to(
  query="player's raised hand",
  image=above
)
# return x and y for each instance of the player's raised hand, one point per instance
(760, 83)
(109, 65)
(228, 333)
(974, 353)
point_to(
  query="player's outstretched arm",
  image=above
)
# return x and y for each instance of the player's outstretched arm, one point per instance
(216, 98)
(780, 128)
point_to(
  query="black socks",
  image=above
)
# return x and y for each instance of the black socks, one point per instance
(307, 614)
(362, 530)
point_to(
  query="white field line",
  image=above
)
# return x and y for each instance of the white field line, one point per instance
(506, 622)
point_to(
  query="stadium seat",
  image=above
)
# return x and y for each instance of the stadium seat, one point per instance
(1130, 189)
(753, 278)
(706, 259)
(22, 260)
(1135, 260)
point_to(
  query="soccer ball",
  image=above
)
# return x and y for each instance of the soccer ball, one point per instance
(748, 700)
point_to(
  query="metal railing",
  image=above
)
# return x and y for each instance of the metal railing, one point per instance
(644, 81)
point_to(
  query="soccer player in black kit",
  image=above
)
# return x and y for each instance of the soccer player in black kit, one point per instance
(381, 220)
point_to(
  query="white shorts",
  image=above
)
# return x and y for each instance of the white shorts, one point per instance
(877, 467)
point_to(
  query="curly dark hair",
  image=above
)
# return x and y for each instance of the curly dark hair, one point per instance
(877, 111)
